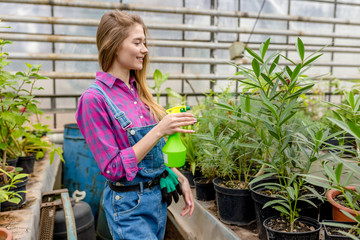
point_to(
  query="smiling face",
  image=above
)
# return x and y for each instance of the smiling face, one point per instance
(130, 55)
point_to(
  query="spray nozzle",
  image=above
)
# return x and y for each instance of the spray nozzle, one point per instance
(178, 109)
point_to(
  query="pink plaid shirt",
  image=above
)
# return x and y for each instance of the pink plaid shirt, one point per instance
(103, 133)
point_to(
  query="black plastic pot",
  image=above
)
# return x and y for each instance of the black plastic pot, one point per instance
(260, 200)
(235, 206)
(189, 176)
(326, 211)
(349, 143)
(277, 235)
(329, 236)
(20, 186)
(204, 189)
(12, 162)
(26, 163)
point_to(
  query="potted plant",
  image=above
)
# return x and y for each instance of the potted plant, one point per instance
(339, 175)
(13, 193)
(29, 147)
(229, 150)
(289, 147)
(17, 103)
(191, 142)
(342, 175)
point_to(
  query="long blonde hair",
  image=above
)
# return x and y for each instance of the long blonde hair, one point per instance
(112, 31)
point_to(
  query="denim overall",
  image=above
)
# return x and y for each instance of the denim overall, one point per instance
(137, 214)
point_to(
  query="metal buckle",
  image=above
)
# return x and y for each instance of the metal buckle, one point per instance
(119, 184)
(150, 184)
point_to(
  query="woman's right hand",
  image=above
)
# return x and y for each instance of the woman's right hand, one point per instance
(172, 123)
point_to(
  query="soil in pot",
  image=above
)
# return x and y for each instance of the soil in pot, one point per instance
(305, 228)
(332, 233)
(340, 199)
(336, 206)
(261, 196)
(20, 186)
(27, 163)
(235, 206)
(204, 189)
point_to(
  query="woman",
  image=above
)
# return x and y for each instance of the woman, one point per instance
(124, 128)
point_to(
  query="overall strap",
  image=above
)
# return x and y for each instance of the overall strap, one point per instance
(119, 115)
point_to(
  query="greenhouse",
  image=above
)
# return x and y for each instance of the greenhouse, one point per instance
(206, 119)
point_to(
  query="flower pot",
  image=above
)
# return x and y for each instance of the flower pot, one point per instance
(8, 169)
(336, 207)
(5, 234)
(280, 235)
(235, 206)
(19, 186)
(204, 189)
(27, 163)
(260, 200)
(325, 211)
(12, 162)
(331, 236)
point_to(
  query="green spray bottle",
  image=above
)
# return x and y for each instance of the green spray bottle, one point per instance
(174, 149)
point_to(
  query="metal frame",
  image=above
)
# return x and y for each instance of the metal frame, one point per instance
(212, 44)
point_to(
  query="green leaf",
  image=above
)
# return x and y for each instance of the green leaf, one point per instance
(349, 215)
(282, 210)
(247, 104)
(274, 64)
(329, 172)
(20, 176)
(348, 127)
(52, 156)
(256, 67)
(309, 202)
(291, 192)
(300, 49)
(28, 65)
(285, 119)
(14, 200)
(264, 47)
(338, 172)
(300, 91)
(355, 129)
(267, 79)
(2, 146)
(296, 71)
(351, 100)
(288, 70)
(269, 105)
(252, 53)
(259, 178)
(311, 60)
(278, 201)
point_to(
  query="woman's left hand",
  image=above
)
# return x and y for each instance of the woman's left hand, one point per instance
(187, 193)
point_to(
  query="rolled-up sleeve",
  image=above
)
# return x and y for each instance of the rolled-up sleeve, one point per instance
(115, 161)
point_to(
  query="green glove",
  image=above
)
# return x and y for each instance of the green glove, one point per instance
(170, 187)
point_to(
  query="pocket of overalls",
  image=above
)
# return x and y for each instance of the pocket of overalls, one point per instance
(147, 164)
(125, 202)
